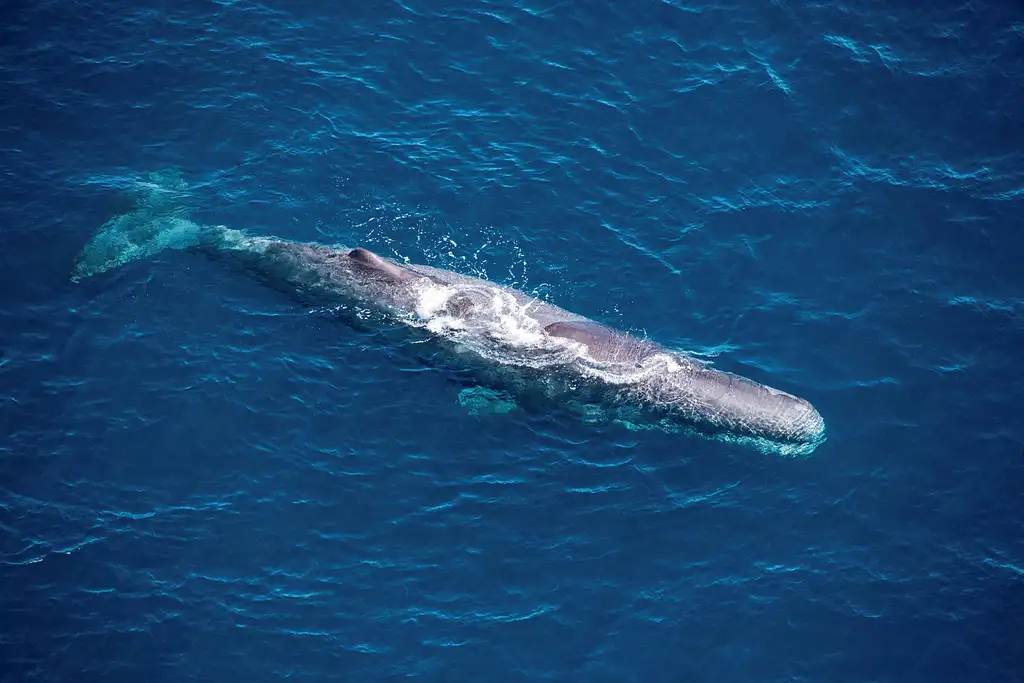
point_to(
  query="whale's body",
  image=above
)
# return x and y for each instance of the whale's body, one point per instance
(531, 349)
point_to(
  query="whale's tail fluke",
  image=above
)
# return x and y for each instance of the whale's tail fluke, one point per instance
(159, 220)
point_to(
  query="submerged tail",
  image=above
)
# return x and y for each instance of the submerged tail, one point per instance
(160, 220)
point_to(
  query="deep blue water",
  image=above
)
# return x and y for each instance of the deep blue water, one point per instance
(203, 480)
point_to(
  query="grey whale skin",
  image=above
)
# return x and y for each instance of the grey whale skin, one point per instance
(551, 354)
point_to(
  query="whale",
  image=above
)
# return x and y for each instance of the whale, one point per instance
(532, 352)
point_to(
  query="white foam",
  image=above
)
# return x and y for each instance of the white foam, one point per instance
(500, 328)
(515, 325)
(431, 299)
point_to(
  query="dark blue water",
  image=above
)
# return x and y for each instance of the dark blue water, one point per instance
(202, 480)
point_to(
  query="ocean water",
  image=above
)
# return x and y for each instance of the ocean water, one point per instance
(201, 480)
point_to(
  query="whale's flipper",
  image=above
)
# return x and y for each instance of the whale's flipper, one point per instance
(159, 220)
(484, 401)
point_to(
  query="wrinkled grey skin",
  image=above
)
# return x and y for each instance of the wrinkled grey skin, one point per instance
(696, 395)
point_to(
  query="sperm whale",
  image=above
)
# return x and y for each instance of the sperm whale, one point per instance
(528, 348)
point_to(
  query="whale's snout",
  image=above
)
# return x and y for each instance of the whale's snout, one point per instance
(806, 424)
